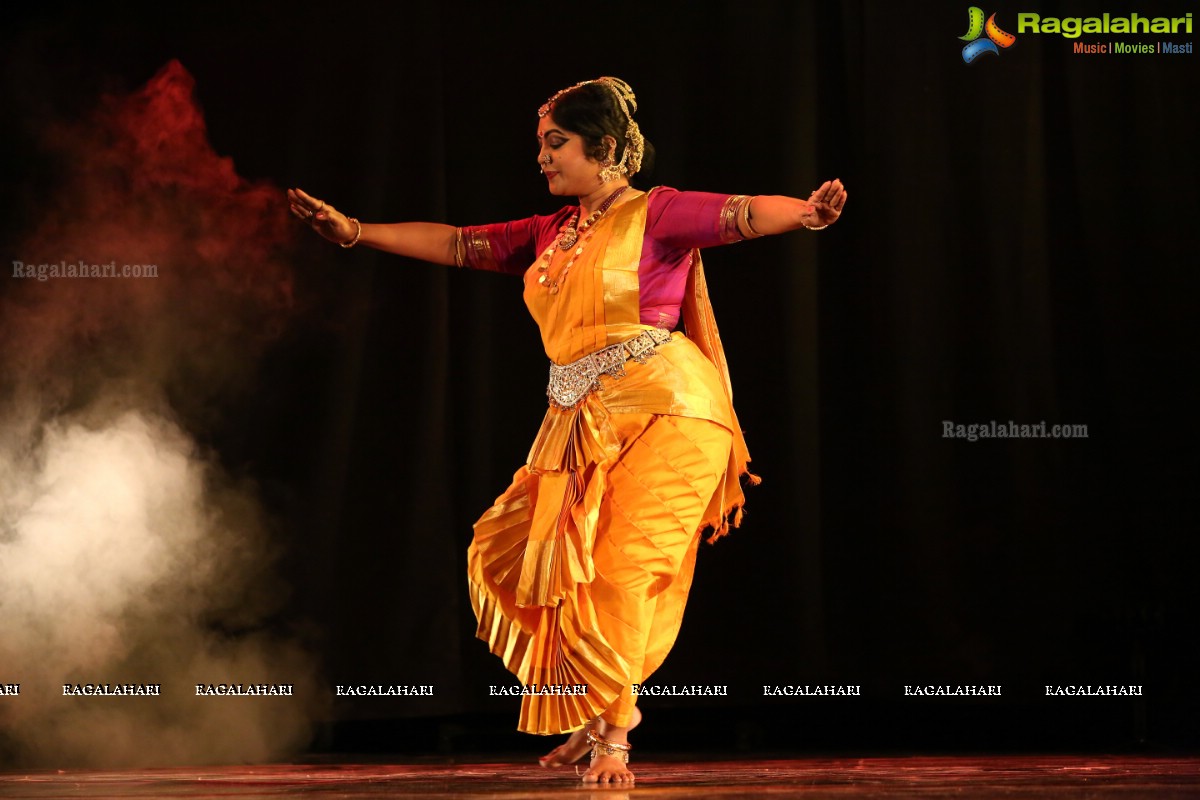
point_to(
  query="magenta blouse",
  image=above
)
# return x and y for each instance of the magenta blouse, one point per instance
(676, 223)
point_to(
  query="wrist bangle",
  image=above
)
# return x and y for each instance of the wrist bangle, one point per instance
(357, 234)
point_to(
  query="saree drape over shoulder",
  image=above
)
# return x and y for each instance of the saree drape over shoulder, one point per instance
(580, 571)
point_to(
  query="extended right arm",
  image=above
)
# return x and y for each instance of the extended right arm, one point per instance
(426, 241)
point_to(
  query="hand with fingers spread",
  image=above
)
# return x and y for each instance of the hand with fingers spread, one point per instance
(324, 218)
(772, 214)
(826, 205)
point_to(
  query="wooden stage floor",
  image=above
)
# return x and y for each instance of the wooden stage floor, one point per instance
(1029, 776)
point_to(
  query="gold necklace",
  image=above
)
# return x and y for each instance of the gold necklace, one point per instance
(568, 235)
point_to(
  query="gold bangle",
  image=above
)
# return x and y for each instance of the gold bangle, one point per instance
(458, 248)
(357, 234)
(746, 219)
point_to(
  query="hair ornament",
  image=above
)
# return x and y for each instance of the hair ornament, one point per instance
(635, 144)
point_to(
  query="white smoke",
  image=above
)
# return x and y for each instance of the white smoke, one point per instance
(122, 548)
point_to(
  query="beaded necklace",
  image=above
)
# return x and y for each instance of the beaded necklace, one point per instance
(568, 235)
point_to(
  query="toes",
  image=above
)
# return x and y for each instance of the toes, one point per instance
(607, 776)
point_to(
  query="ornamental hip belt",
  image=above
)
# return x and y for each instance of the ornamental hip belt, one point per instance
(571, 383)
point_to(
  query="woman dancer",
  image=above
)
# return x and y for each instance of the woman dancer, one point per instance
(580, 571)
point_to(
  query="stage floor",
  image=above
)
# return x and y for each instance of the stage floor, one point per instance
(891, 777)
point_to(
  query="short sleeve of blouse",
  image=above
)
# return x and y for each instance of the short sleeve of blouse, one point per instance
(683, 220)
(508, 247)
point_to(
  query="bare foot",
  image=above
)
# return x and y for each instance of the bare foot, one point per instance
(570, 751)
(612, 769)
(608, 769)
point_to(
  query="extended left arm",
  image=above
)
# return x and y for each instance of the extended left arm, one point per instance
(778, 214)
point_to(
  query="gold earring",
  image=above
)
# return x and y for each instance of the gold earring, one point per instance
(609, 171)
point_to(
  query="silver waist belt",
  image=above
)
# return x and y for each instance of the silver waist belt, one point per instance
(570, 383)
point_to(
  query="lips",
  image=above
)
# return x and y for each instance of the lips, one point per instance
(549, 174)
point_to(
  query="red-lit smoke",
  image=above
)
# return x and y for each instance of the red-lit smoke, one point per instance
(143, 186)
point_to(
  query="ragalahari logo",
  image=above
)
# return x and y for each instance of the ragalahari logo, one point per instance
(976, 27)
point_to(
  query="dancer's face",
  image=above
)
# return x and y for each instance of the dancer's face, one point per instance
(570, 171)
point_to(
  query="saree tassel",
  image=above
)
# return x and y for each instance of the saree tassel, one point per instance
(737, 516)
(719, 530)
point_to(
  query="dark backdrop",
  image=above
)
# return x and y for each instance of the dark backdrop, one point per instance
(1019, 245)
